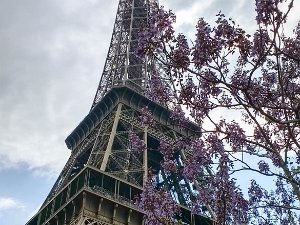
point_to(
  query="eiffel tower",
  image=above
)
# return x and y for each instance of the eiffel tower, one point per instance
(103, 176)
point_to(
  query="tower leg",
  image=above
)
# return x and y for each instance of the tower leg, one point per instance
(111, 138)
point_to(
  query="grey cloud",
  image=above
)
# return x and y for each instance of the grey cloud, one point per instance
(238, 10)
(51, 59)
(227, 7)
(177, 4)
(241, 11)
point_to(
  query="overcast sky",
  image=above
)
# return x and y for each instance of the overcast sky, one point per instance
(51, 58)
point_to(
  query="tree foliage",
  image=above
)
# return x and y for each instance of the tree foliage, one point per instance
(255, 77)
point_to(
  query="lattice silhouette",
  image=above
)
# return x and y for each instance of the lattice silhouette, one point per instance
(103, 174)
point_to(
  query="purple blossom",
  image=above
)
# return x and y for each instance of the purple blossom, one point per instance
(208, 83)
(263, 167)
(199, 159)
(276, 159)
(225, 100)
(214, 144)
(180, 55)
(166, 149)
(168, 165)
(146, 117)
(267, 11)
(261, 40)
(157, 89)
(187, 92)
(225, 31)
(269, 79)
(157, 204)
(135, 143)
(255, 193)
(239, 80)
(231, 37)
(158, 30)
(205, 49)
(191, 169)
(292, 47)
(177, 115)
(222, 193)
(263, 84)
(235, 135)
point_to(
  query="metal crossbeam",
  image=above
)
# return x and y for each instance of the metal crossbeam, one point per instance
(103, 175)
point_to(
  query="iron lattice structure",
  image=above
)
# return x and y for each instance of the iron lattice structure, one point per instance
(122, 66)
(103, 174)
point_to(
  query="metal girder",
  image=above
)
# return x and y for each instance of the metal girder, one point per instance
(122, 66)
(101, 141)
(111, 138)
(89, 141)
(83, 220)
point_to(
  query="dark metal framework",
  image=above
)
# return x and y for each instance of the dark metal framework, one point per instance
(122, 66)
(103, 174)
(101, 139)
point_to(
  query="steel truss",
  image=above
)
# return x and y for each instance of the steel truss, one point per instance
(100, 143)
(122, 66)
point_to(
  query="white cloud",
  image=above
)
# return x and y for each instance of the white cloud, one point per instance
(241, 11)
(7, 203)
(50, 66)
(52, 60)
(44, 156)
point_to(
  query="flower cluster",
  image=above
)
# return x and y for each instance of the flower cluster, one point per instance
(205, 49)
(239, 80)
(235, 135)
(214, 144)
(263, 166)
(267, 11)
(210, 43)
(257, 79)
(177, 115)
(157, 90)
(255, 192)
(276, 205)
(146, 117)
(231, 37)
(159, 30)
(292, 48)
(187, 92)
(168, 163)
(261, 40)
(135, 143)
(222, 193)
(157, 204)
(180, 55)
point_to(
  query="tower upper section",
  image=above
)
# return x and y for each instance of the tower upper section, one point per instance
(122, 66)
